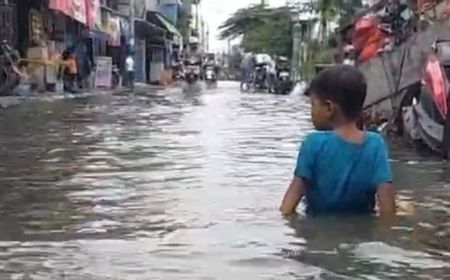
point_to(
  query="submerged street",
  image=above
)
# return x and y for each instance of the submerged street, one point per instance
(173, 185)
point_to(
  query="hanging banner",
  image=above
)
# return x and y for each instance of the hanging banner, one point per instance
(61, 6)
(103, 72)
(114, 31)
(79, 10)
(92, 13)
(75, 9)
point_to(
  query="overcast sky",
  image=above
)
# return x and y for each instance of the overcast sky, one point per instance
(215, 12)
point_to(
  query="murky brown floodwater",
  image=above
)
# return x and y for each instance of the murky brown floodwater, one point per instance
(184, 186)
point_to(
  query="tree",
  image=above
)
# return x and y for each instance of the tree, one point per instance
(262, 29)
(341, 11)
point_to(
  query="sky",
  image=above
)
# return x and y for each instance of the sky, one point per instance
(215, 12)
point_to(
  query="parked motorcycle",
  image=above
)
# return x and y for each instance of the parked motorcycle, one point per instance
(424, 113)
(9, 70)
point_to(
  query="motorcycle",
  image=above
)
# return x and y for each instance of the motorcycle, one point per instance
(9, 71)
(192, 73)
(260, 77)
(210, 76)
(283, 83)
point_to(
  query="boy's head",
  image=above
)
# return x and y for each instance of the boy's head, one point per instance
(337, 96)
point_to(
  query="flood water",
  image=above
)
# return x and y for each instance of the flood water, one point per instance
(173, 185)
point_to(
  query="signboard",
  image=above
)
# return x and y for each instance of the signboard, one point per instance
(36, 28)
(103, 72)
(111, 26)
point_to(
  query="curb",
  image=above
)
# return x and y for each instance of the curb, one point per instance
(12, 101)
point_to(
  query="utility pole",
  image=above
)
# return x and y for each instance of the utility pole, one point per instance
(187, 6)
(197, 20)
(132, 31)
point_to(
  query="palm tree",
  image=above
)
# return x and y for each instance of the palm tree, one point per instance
(334, 11)
(262, 29)
(327, 10)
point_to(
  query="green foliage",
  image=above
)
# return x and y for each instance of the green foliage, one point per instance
(269, 30)
(321, 52)
(262, 29)
(343, 10)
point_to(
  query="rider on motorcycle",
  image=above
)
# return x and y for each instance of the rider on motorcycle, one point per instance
(193, 66)
(264, 70)
(283, 82)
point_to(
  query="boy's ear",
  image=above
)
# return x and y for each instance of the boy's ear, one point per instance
(331, 108)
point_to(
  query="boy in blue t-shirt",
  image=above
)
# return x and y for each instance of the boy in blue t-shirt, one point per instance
(340, 168)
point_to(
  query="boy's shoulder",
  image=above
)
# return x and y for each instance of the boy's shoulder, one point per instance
(374, 137)
(319, 134)
(316, 138)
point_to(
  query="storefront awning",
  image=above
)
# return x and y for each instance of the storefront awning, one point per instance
(146, 29)
(161, 21)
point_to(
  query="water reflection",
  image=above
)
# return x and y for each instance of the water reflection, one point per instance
(170, 185)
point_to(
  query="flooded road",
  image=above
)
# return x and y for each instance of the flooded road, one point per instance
(170, 185)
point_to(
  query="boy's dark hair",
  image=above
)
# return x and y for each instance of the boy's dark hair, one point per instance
(343, 84)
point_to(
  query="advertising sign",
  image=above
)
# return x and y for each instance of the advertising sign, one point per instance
(103, 72)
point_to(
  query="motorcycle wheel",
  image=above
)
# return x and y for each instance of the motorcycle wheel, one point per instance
(245, 87)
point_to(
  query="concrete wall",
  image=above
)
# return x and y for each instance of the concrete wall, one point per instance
(383, 72)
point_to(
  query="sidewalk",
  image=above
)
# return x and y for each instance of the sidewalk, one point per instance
(11, 101)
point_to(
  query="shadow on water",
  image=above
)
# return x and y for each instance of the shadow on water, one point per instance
(179, 185)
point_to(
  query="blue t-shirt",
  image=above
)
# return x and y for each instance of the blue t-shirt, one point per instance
(342, 177)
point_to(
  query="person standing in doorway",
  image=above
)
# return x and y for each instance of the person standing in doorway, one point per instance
(129, 66)
(84, 66)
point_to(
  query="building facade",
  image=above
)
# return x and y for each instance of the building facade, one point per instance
(42, 30)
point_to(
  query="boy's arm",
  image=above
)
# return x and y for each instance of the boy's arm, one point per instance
(383, 182)
(386, 200)
(302, 175)
(293, 196)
